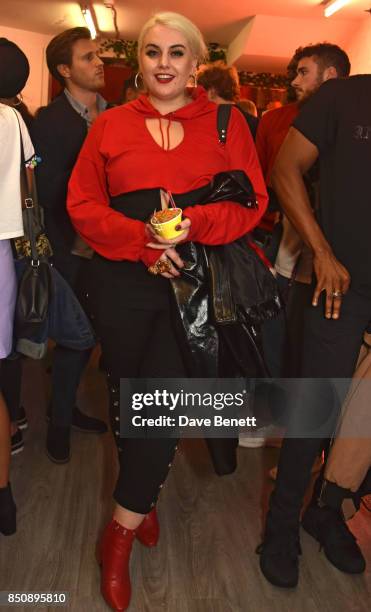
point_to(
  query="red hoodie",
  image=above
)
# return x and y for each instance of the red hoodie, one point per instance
(119, 155)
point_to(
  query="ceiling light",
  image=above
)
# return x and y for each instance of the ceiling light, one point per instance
(89, 21)
(335, 6)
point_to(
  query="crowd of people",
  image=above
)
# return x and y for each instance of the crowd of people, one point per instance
(100, 172)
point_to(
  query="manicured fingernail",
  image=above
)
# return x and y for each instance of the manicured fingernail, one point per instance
(335, 316)
(178, 228)
(328, 315)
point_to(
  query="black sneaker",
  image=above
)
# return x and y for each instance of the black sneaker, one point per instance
(17, 444)
(340, 546)
(58, 443)
(22, 421)
(87, 424)
(279, 559)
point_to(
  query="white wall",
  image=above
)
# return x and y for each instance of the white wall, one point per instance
(35, 93)
(359, 48)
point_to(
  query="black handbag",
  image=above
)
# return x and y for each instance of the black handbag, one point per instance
(35, 285)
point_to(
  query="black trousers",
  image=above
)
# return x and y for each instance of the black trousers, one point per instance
(330, 350)
(68, 364)
(11, 379)
(144, 345)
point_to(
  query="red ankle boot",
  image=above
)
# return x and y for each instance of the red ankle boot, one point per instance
(148, 531)
(115, 549)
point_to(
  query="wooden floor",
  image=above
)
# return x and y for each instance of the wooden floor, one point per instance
(210, 527)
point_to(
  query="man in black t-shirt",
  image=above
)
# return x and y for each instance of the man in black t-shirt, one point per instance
(335, 127)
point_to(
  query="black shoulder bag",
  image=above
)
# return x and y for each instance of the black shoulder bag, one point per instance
(35, 285)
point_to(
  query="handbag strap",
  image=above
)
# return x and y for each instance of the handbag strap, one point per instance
(27, 201)
(223, 116)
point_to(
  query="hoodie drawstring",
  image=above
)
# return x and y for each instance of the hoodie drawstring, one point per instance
(167, 134)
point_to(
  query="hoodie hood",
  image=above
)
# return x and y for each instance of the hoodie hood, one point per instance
(199, 106)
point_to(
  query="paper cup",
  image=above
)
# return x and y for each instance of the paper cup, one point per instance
(167, 229)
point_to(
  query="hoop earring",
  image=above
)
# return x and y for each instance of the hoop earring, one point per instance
(138, 74)
(19, 100)
(194, 77)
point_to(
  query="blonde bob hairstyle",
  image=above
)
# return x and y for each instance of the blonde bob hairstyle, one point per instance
(175, 21)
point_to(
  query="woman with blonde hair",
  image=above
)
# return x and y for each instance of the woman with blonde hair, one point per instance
(166, 138)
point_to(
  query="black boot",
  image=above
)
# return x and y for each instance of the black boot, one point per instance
(279, 555)
(58, 443)
(363, 491)
(332, 495)
(8, 512)
(329, 528)
(280, 549)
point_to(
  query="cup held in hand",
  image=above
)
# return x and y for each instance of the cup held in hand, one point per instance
(164, 222)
